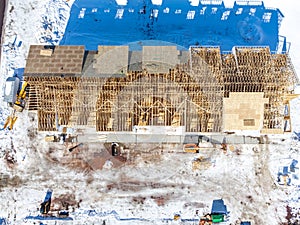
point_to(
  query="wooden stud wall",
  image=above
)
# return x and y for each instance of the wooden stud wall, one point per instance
(51, 96)
(189, 95)
(142, 98)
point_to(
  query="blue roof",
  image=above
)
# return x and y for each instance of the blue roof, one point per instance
(218, 207)
(103, 22)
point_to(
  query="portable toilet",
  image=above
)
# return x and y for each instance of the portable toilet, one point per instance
(11, 90)
(218, 211)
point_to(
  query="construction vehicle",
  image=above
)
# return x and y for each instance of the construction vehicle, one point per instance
(11, 90)
(15, 98)
(14, 95)
(19, 104)
(10, 121)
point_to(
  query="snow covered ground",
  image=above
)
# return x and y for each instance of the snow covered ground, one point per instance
(156, 184)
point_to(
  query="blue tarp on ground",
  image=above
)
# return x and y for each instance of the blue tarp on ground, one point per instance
(293, 165)
(2, 221)
(19, 72)
(245, 223)
(103, 22)
(285, 170)
(46, 218)
(218, 207)
(48, 196)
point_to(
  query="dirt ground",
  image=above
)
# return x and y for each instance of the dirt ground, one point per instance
(157, 178)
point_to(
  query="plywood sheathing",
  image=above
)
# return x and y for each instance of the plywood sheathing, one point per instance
(254, 69)
(54, 60)
(111, 60)
(244, 111)
(159, 59)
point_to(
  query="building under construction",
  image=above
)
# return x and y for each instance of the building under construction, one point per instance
(160, 88)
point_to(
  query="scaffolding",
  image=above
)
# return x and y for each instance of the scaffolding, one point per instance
(189, 94)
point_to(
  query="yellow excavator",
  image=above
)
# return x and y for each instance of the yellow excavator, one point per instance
(15, 99)
(19, 104)
(10, 121)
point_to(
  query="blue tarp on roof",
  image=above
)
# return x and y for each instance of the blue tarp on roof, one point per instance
(103, 22)
(218, 207)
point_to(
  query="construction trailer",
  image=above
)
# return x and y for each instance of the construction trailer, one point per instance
(14, 94)
(19, 104)
(11, 90)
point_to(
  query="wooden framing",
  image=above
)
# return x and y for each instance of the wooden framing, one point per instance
(189, 94)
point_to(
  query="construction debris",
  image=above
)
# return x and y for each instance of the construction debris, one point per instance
(201, 163)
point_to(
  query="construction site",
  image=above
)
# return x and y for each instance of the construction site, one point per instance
(195, 126)
(196, 90)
